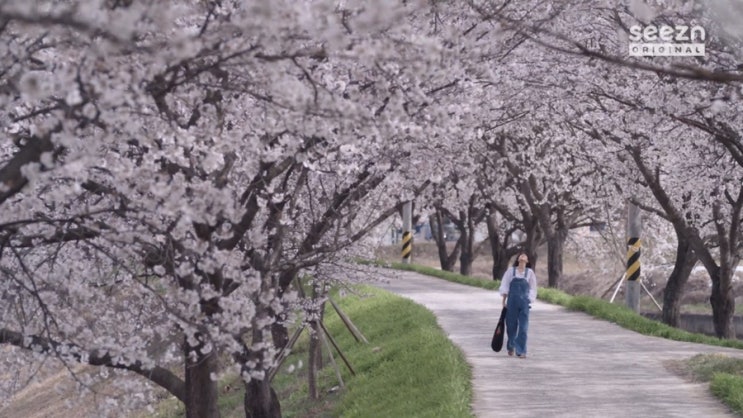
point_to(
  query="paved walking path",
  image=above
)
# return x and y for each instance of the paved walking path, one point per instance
(577, 366)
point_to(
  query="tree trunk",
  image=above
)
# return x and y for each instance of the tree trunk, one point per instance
(314, 357)
(260, 400)
(721, 298)
(685, 261)
(497, 251)
(466, 256)
(723, 302)
(533, 238)
(500, 251)
(446, 260)
(500, 267)
(555, 245)
(279, 332)
(437, 232)
(202, 392)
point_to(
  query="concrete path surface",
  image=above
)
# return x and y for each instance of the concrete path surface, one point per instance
(577, 366)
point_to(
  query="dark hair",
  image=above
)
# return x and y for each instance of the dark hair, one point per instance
(516, 261)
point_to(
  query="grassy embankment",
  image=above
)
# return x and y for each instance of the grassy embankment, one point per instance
(408, 369)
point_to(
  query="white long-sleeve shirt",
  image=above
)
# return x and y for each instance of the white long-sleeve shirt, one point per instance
(531, 278)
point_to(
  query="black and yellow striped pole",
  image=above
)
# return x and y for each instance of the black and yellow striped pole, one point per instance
(407, 232)
(633, 258)
(407, 246)
(634, 229)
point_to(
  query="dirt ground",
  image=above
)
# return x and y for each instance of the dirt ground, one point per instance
(52, 393)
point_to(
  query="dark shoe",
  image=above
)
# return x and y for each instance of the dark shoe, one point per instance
(521, 355)
(510, 352)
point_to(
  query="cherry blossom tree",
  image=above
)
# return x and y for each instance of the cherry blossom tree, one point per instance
(696, 187)
(686, 91)
(584, 29)
(171, 171)
(177, 166)
(457, 200)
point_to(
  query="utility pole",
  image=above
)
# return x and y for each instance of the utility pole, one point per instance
(407, 231)
(634, 230)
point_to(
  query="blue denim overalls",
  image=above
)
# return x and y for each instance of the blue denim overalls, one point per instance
(517, 315)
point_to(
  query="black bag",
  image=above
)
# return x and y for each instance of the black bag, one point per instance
(500, 329)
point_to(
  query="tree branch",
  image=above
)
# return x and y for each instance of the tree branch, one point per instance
(11, 178)
(161, 376)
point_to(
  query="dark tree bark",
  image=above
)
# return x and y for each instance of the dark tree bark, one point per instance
(723, 303)
(314, 360)
(727, 238)
(533, 239)
(202, 392)
(555, 224)
(11, 177)
(555, 246)
(497, 249)
(467, 235)
(261, 400)
(279, 333)
(685, 261)
(501, 248)
(466, 222)
(499, 268)
(446, 259)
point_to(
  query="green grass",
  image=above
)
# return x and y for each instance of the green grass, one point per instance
(554, 296)
(729, 388)
(724, 374)
(442, 274)
(625, 317)
(292, 387)
(408, 369)
(703, 367)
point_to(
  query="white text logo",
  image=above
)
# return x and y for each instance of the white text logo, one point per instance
(667, 41)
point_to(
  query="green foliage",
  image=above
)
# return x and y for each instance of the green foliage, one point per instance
(725, 375)
(554, 296)
(231, 397)
(729, 388)
(409, 368)
(627, 318)
(704, 366)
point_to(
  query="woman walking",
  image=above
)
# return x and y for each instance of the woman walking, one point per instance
(519, 289)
